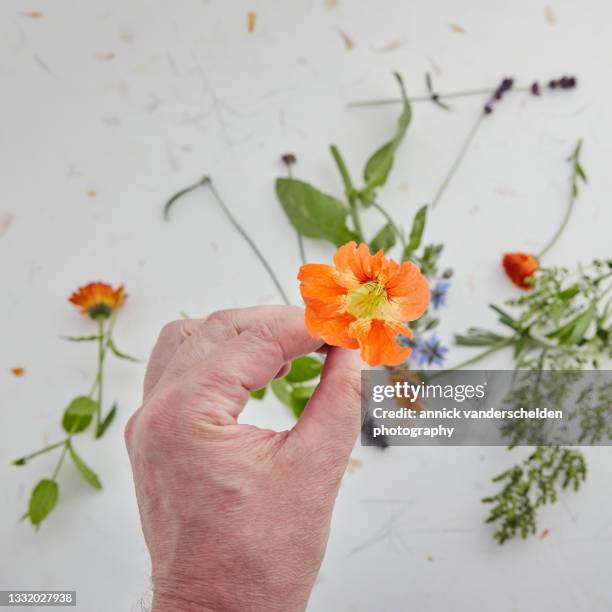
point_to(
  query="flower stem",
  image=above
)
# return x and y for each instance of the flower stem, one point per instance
(576, 174)
(457, 162)
(492, 349)
(102, 344)
(388, 217)
(428, 98)
(61, 459)
(46, 449)
(349, 189)
(207, 181)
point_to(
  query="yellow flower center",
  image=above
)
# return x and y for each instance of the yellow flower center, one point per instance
(368, 301)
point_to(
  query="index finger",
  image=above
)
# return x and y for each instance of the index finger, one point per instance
(264, 339)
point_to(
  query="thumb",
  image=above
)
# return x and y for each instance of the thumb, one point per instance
(332, 417)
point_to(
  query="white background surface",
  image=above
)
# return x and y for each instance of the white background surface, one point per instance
(188, 91)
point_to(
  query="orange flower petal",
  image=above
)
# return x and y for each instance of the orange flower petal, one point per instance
(333, 330)
(378, 341)
(408, 292)
(98, 299)
(364, 302)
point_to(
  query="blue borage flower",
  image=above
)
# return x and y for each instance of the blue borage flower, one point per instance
(430, 351)
(438, 294)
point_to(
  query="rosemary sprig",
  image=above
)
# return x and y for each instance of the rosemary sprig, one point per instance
(531, 485)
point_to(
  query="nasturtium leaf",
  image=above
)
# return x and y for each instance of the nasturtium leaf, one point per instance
(42, 501)
(117, 353)
(79, 413)
(299, 398)
(86, 472)
(416, 232)
(282, 389)
(304, 368)
(314, 214)
(385, 239)
(259, 394)
(380, 163)
(106, 421)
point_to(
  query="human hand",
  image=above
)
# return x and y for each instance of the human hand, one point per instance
(236, 517)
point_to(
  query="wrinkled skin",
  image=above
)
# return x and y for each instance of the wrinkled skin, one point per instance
(236, 517)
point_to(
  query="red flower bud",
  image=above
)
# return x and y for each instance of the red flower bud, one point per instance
(520, 268)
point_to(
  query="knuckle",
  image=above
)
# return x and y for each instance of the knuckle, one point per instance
(169, 331)
(264, 334)
(220, 318)
(128, 432)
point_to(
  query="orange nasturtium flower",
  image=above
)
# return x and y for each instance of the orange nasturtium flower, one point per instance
(363, 302)
(520, 267)
(98, 300)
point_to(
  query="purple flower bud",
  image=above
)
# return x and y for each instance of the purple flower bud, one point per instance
(488, 109)
(553, 84)
(289, 159)
(535, 88)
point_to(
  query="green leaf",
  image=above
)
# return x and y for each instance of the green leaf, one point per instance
(416, 232)
(569, 293)
(304, 368)
(80, 338)
(385, 239)
(574, 330)
(117, 353)
(42, 501)
(86, 472)
(282, 390)
(380, 163)
(504, 317)
(299, 398)
(259, 394)
(580, 172)
(79, 413)
(478, 337)
(582, 326)
(314, 214)
(106, 421)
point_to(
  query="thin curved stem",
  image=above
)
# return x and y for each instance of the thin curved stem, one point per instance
(207, 181)
(349, 190)
(577, 173)
(457, 162)
(247, 238)
(553, 240)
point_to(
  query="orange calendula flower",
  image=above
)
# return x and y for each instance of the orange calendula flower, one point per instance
(363, 302)
(520, 267)
(98, 300)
